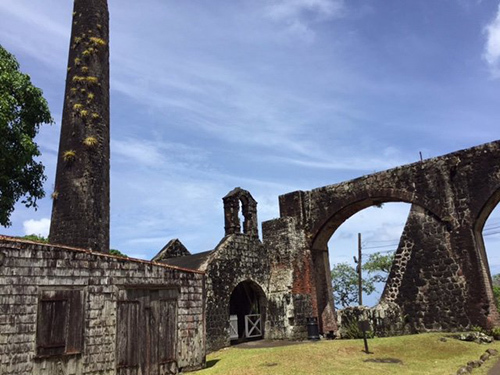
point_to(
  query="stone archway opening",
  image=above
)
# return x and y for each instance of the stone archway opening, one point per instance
(491, 237)
(247, 312)
(381, 228)
(425, 279)
(487, 233)
(321, 254)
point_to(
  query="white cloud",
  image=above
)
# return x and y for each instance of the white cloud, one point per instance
(492, 239)
(158, 153)
(39, 227)
(40, 36)
(293, 9)
(363, 161)
(492, 48)
(376, 224)
(32, 16)
(298, 15)
(145, 153)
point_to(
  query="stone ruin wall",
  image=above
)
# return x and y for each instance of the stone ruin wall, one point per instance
(241, 256)
(440, 279)
(270, 264)
(26, 268)
(291, 289)
(237, 258)
(426, 279)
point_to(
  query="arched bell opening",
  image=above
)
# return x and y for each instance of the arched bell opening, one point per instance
(247, 312)
(240, 213)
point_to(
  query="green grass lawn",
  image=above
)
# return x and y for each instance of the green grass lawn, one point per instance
(414, 354)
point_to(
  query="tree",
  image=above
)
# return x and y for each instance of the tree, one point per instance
(22, 110)
(379, 264)
(496, 294)
(345, 284)
(496, 289)
(345, 277)
(496, 280)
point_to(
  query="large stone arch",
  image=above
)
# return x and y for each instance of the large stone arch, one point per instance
(324, 228)
(323, 233)
(448, 195)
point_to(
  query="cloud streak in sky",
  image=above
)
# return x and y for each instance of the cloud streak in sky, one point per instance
(298, 15)
(492, 48)
(297, 9)
(53, 37)
(270, 95)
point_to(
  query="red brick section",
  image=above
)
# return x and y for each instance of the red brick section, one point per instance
(303, 282)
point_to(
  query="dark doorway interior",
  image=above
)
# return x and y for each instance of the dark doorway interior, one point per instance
(247, 303)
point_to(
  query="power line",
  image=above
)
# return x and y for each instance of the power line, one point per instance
(382, 252)
(394, 240)
(379, 247)
(491, 230)
(489, 227)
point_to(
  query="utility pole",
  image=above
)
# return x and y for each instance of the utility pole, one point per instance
(363, 325)
(360, 275)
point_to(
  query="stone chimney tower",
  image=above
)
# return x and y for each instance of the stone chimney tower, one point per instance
(80, 212)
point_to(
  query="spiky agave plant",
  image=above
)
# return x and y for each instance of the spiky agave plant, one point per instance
(69, 156)
(90, 141)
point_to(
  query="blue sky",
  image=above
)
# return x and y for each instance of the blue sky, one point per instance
(270, 95)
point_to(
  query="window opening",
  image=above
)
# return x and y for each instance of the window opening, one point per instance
(59, 322)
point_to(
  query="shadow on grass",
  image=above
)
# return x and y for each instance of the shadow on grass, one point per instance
(384, 360)
(211, 363)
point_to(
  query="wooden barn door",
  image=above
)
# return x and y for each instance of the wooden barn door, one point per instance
(146, 332)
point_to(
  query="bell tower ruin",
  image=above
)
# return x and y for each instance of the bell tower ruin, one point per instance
(80, 212)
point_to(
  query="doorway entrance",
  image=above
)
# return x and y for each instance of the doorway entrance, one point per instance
(146, 332)
(247, 312)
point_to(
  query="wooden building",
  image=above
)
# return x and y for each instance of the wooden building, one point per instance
(71, 311)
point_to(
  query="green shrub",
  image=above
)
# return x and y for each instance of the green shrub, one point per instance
(496, 294)
(35, 238)
(117, 253)
(351, 330)
(495, 332)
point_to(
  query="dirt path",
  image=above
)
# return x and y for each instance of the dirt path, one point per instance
(267, 344)
(495, 370)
